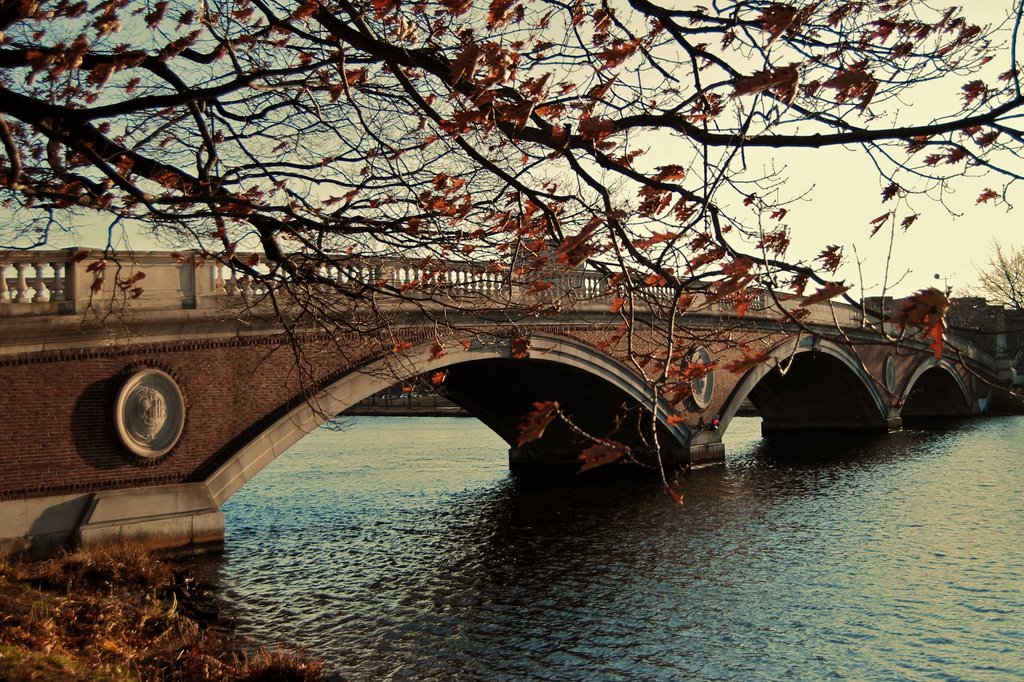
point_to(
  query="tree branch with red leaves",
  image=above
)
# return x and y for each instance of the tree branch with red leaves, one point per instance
(521, 138)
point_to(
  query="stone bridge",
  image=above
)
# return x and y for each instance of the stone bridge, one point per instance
(137, 417)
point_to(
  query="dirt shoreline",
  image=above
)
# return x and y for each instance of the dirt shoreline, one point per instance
(119, 613)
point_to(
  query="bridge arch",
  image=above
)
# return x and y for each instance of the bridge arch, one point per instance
(566, 357)
(794, 399)
(935, 389)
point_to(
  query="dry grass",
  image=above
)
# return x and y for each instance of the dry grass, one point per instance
(115, 614)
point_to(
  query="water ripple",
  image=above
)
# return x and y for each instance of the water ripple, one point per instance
(402, 549)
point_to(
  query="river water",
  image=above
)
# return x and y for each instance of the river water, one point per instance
(403, 549)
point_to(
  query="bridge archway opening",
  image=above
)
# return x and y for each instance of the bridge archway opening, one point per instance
(502, 391)
(602, 396)
(819, 390)
(935, 392)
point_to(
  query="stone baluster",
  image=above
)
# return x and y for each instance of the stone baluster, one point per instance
(231, 285)
(219, 288)
(21, 286)
(39, 284)
(5, 293)
(57, 292)
(326, 274)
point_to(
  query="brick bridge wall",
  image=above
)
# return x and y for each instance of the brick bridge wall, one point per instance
(60, 440)
(60, 435)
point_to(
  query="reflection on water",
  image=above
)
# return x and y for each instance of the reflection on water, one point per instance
(402, 548)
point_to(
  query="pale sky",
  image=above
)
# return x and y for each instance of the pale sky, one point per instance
(847, 196)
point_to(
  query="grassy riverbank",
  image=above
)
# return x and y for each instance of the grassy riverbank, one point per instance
(117, 614)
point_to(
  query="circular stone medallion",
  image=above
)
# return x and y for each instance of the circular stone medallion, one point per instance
(150, 413)
(702, 388)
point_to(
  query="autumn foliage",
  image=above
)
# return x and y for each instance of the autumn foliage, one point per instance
(926, 310)
(523, 140)
(506, 130)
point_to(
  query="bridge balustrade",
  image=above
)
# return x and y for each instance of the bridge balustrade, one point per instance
(65, 282)
(35, 283)
(32, 277)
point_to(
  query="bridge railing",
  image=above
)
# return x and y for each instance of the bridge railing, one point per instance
(71, 281)
(30, 280)
(415, 280)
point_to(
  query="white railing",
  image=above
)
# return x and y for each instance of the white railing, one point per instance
(29, 277)
(69, 281)
(39, 283)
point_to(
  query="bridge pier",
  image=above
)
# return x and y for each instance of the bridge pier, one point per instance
(706, 448)
(527, 457)
(706, 451)
(183, 516)
(163, 517)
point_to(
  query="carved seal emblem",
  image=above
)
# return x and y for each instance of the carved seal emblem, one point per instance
(150, 413)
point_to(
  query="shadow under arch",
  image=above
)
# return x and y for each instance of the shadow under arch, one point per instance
(594, 376)
(935, 390)
(823, 387)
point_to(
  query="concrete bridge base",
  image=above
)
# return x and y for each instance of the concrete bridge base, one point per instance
(707, 451)
(165, 517)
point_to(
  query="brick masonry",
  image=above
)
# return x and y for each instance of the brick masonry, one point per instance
(57, 407)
